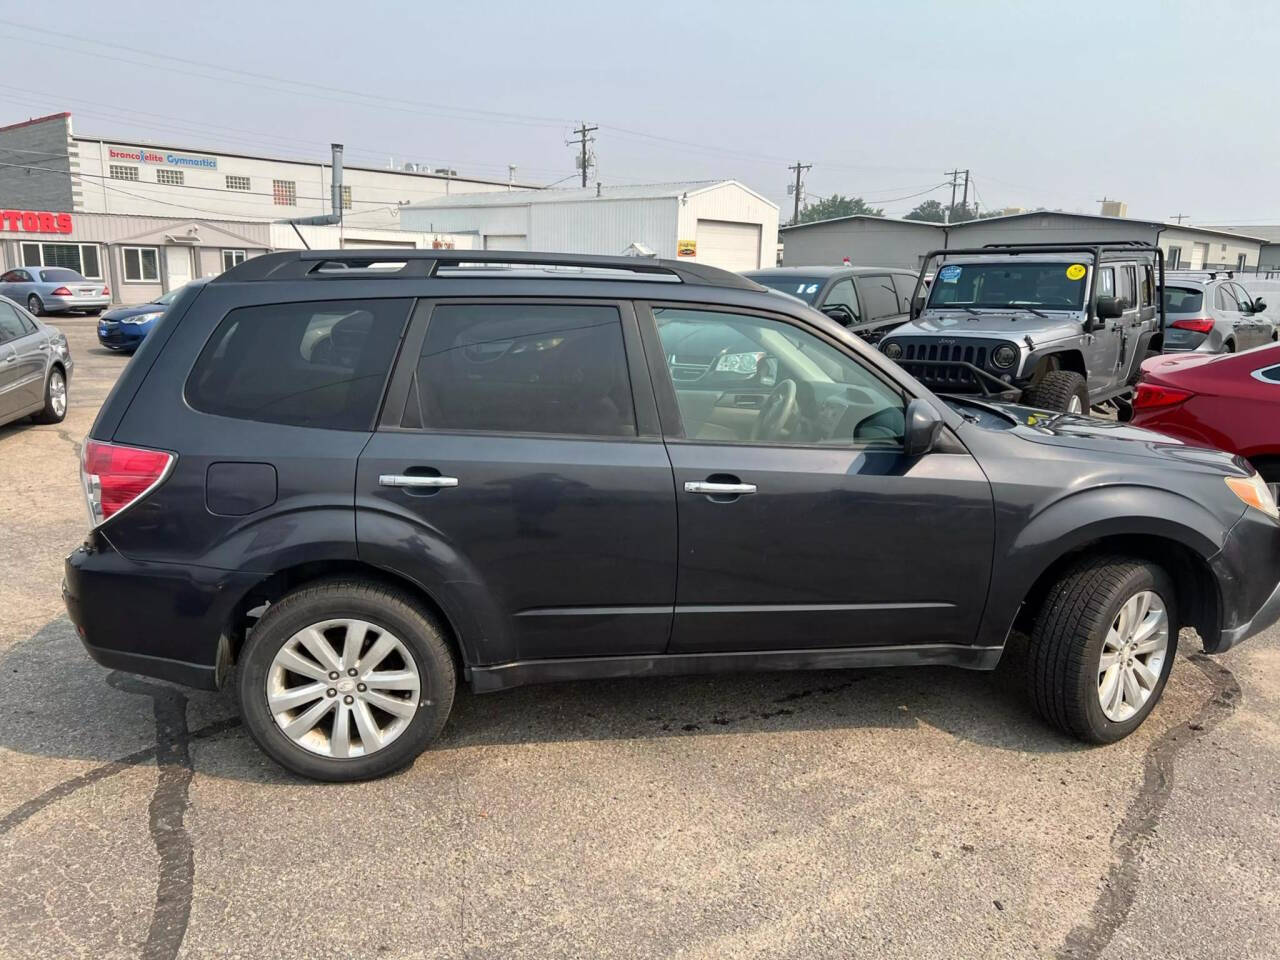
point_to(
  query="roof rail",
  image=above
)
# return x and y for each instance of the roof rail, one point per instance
(1068, 247)
(378, 262)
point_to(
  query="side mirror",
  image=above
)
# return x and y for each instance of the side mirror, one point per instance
(840, 313)
(1109, 308)
(924, 423)
(1259, 305)
(917, 306)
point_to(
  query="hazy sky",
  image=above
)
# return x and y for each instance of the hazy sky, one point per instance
(1168, 106)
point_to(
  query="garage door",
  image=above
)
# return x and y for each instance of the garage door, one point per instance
(733, 246)
(506, 241)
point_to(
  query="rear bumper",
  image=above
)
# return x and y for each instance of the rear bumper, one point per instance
(157, 619)
(76, 303)
(1248, 573)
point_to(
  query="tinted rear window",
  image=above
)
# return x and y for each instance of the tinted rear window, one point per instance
(1183, 300)
(60, 275)
(307, 364)
(523, 368)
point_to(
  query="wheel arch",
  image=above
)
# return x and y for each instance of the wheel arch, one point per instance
(1068, 359)
(275, 585)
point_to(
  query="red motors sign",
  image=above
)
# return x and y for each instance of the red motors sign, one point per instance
(34, 221)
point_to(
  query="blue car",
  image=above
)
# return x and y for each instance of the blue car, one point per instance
(124, 328)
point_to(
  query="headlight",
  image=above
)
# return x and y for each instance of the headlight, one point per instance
(1004, 356)
(1255, 493)
(892, 350)
(143, 317)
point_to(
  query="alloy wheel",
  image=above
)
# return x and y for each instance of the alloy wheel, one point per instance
(58, 394)
(1133, 656)
(34, 306)
(343, 688)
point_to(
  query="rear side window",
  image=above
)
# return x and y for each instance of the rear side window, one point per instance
(1183, 300)
(523, 368)
(1127, 290)
(880, 296)
(320, 364)
(906, 285)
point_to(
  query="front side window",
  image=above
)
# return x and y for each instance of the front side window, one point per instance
(746, 379)
(1242, 296)
(1128, 287)
(1106, 282)
(523, 368)
(320, 364)
(905, 284)
(995, 286)
(842, 295)
(141, 264)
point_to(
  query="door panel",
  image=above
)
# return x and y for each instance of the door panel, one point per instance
(9, 399)
(572, 541)
(835, 548)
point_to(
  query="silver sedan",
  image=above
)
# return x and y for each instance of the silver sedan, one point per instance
(54, 290)
(35, 367)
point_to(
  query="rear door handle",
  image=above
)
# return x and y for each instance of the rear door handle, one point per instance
(410, 480)
(721, 489)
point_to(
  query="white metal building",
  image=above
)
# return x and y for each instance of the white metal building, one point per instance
(45, 165)
(719, 222)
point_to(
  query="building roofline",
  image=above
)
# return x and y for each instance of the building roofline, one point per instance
(65, 115)
(471, 201)
(864, 216)
(126, 141)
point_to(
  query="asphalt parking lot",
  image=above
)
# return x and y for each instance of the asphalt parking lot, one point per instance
(887, 813)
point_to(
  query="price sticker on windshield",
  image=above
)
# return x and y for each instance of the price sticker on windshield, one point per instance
(949, 274)
(1075, 271)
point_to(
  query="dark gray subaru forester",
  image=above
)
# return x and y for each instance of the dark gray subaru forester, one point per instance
(351, 479)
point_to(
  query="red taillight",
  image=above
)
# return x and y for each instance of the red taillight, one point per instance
(1198, 324)
(106, 291)
(1149, 396)
(61, 292)
(115, 476)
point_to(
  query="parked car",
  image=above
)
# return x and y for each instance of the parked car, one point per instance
(363, 484)
(1061, 327)
(870, 301)
(35, 367)
(1213, 313)
(124, 328)
(1227, 402)
(54, 290)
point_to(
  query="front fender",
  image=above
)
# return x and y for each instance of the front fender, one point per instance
(1077, 520)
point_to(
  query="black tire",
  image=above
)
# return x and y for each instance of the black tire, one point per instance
(381, 605)
(1067, 641)
(1055, 390)
(1230, 347)
(50, 413)
(35, 306)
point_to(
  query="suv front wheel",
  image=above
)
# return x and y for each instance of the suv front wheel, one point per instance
(1063, 390)
(345, 680)
(1102, 647)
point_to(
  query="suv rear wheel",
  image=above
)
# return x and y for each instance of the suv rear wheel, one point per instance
(1102, 647)
(346, 680)
(1063, 390)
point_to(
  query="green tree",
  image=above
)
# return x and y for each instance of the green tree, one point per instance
(930, 211)
(837, 206)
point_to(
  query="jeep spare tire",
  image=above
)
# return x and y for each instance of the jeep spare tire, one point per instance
(1063, 390)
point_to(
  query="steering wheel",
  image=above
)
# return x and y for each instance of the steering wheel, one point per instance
(779, 413)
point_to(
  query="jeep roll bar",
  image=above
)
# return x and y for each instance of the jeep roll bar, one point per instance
(398, 262)
(1096, 250)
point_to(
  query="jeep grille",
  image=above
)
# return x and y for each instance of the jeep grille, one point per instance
(916, 358)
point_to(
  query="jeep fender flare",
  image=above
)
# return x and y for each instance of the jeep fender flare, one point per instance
(1078, 520)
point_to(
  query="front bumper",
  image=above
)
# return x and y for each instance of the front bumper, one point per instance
(1248, 574)
(157, 619)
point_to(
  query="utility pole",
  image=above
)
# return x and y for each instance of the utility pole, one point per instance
(799, 168)
(964, 204)
(955, 182)
(582, 142)
(1180, 217)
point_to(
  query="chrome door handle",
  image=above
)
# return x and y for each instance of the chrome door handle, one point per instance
(705, 486)
(408, 480)
(11, 358)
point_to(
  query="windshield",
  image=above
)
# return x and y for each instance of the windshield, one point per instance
(806, 288)
(168, 298)
(1049, 286)
(59, 275)
(1183, 300)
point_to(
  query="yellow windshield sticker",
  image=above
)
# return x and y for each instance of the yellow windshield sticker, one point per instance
(1075, 271)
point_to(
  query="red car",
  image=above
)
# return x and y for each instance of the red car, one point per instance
(1230, 401)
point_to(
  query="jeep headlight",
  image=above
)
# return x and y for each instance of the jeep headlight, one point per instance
(1004, 356)
(1254, 492)
(892, 350)
(143, 317)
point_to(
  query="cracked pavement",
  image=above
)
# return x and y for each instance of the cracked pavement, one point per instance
(887, 813)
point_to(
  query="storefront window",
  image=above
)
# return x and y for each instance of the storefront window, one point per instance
(141, 264)
(81, 257)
